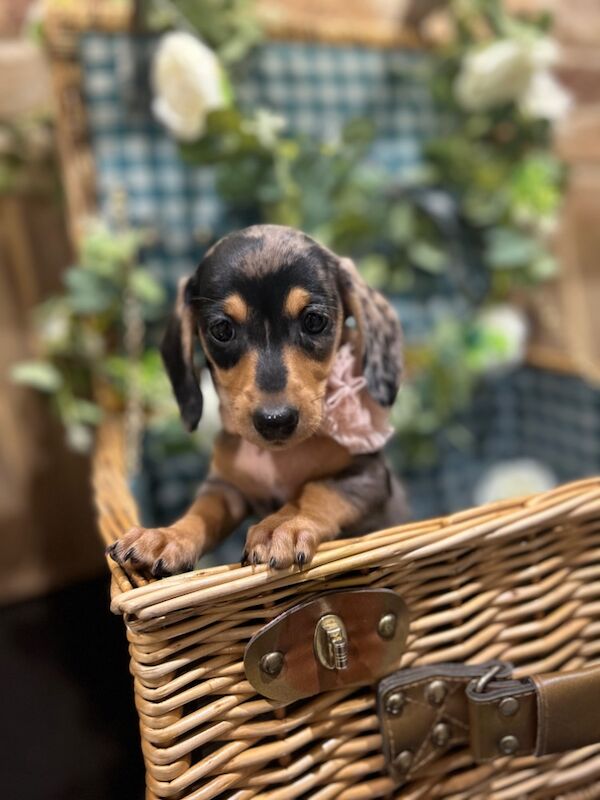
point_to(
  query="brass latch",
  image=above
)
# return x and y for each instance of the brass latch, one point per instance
(331, 642)
(335, 640)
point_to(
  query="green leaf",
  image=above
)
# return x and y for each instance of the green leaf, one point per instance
(145, 288)
(89, 293)
(358, 131)
(510, 249)
(40, 375)
(402, 223)
(84, 412)
(545, 266)
(105, 252)
(374, 269)
(428, 257)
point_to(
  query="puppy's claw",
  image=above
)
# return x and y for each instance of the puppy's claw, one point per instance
(129, 555)
(301, 559)
(111, 550)
(158, 569)
(273, 562)
(244, 560)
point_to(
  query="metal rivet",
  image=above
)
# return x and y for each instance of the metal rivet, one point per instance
(403, 760)
(272, 663)
(436, 692)
(394, 703)
(387, 626)
(440, 735)
(508, 745)
(509, 706)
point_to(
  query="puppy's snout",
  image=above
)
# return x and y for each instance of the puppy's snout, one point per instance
(275, 424)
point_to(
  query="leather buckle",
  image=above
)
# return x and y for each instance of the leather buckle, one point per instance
(425, 711)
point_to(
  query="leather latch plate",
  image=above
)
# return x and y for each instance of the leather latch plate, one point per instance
(339, 639)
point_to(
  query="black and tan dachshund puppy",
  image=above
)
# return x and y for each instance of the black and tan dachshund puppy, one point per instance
(271, 308)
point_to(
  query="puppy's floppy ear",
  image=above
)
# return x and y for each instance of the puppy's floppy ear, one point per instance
(379, 339)
(177, 350)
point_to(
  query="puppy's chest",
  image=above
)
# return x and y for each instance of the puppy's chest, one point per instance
(278, 476)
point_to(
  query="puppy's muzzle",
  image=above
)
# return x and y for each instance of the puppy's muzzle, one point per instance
(276, 424)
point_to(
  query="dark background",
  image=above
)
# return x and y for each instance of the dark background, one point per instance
(70, 729)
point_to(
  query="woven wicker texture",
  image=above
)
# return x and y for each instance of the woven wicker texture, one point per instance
(518, 580)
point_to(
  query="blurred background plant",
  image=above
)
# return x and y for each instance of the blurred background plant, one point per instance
(27, 155)
(472, 230)
(84, 363)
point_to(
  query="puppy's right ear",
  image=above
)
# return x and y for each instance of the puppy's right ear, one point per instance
(177, 350)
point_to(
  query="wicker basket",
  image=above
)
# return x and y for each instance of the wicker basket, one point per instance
(517, 581)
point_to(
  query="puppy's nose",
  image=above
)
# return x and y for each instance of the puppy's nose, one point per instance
(275, 423)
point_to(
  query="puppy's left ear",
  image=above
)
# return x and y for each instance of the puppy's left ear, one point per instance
(177, 350)
(379, 333)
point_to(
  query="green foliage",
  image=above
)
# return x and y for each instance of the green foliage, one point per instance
(27, 155)
(40, 375)
(83, 359)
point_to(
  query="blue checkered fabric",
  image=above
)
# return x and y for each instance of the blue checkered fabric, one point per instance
(316, 87)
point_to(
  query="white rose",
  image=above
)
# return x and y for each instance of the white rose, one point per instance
(545, 97)
(188, 82)
(515, 478)
(545, 53)
(513, 71)
(79, 437)
(498, 73)
(506, 326)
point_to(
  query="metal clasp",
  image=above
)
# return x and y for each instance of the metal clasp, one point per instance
(331, 642)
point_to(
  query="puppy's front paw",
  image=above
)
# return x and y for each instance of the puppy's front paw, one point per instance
(281, 542)
(161, 551)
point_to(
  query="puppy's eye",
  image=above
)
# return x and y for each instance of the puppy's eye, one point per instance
(314, 322)
(222, 330)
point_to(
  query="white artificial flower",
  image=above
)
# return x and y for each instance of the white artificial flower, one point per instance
(513, 478)
(188, 83)
(508, 71)
(79, 437)
(545, 53)
(54, 330)
(495, 74)
(545, 98)
(507, 326)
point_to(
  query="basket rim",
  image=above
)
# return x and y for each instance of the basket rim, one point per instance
(134, 595)
(78, 16)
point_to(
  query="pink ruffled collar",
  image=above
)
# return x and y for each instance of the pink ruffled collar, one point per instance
(351, 416)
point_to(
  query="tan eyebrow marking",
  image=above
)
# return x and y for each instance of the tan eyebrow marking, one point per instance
(296, 301)
(236, 307)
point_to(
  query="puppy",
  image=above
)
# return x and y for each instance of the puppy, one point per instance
(272, 310)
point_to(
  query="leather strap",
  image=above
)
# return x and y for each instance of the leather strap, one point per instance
(427, 710)
(568, 705)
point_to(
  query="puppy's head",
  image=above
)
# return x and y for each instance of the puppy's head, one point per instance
(270, 306)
